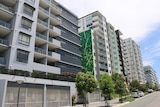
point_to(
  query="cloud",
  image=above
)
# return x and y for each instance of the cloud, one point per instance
(135, 18)
(151, 53)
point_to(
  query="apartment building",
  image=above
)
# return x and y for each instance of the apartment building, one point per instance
(39, 43)
(150, 75)
(114, 46)
(133, 60)
(93, 30)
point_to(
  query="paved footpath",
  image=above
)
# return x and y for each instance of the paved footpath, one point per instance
(113, 103)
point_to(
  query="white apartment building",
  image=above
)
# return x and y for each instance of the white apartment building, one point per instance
(100, 45)
(133, 60)
(150, 75)
(39, 45)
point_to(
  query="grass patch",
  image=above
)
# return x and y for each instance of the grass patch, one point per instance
(129, 98)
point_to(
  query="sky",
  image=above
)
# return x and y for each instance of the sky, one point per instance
(138, 19)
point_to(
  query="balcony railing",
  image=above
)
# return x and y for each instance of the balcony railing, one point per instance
(40, 50)
(56, 7)
(6, 8)
(7, 25)
(41, 36)
(43, 22)
(55, 17)
(55, 29)
(3, 41)
(2, 60)
(48, 1)
(103, 66)
(43, 10)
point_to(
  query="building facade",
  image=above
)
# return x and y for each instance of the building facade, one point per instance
(39, 42)
(133, 60)
(114, 46)
(96, 24)
(150, 75)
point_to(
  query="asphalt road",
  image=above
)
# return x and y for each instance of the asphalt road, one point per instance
(150, 100)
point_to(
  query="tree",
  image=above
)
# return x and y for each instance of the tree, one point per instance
(149, 85)
(85, 82)
(120, 87)
(134, 85)
(143, 87)
(107, 86)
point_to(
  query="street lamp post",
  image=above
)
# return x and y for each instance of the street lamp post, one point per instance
(19, 83)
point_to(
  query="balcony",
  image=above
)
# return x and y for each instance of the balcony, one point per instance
(7, 9)
(40, 50)
(103, 66)
(3, 45)
(54, 56)
(42, 22)
(55, 20)
(3, 41)
(43, 10)
(102, 52)
(54, 30)
(55, 9)
(4, 24)
(5, 28)
(41, 36)
(102, 59)
(54, 43)
(101, 46)
(99, 30)
(2, 61)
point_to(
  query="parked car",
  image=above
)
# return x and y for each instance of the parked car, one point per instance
(141, 93)
(135, 94)
(150, 90)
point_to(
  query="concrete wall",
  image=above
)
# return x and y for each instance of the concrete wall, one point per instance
(3, 84)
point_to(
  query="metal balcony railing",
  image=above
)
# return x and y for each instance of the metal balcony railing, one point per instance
(40, 50)
(2, 60)
(7, 25)
(3, 41)
(41, 36)
(43, 10)
(43, 22)
(6, 8)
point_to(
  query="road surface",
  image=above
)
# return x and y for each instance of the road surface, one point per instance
(150, 100)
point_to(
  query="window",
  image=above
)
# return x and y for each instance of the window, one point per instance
(31, 1)
(24, 39)
(28, 10)
(22, 56)
(26, 24)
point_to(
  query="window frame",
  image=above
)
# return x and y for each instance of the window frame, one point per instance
(26, 23)
(22, 39)
(22, 56)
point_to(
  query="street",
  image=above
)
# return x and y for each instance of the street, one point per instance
(151, 100)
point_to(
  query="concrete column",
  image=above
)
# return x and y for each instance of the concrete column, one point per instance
(44, 95)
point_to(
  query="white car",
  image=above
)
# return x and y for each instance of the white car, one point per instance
(141, 94)
(135, 95)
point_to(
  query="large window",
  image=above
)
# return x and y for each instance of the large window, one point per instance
(22, 56)
(28, 10)
(28, 97)
(26, 24)
(24, 39)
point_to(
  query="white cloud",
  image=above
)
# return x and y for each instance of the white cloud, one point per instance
(151, 53)
(135, 18)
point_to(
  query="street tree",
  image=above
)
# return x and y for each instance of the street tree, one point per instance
(120, 87)
(143, 87)
(134, 85)
(85, 82)
(107, 87)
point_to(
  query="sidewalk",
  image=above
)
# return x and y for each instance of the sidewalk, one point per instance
(113, 103)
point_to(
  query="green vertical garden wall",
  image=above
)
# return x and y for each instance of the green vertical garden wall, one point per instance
(87, 56)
